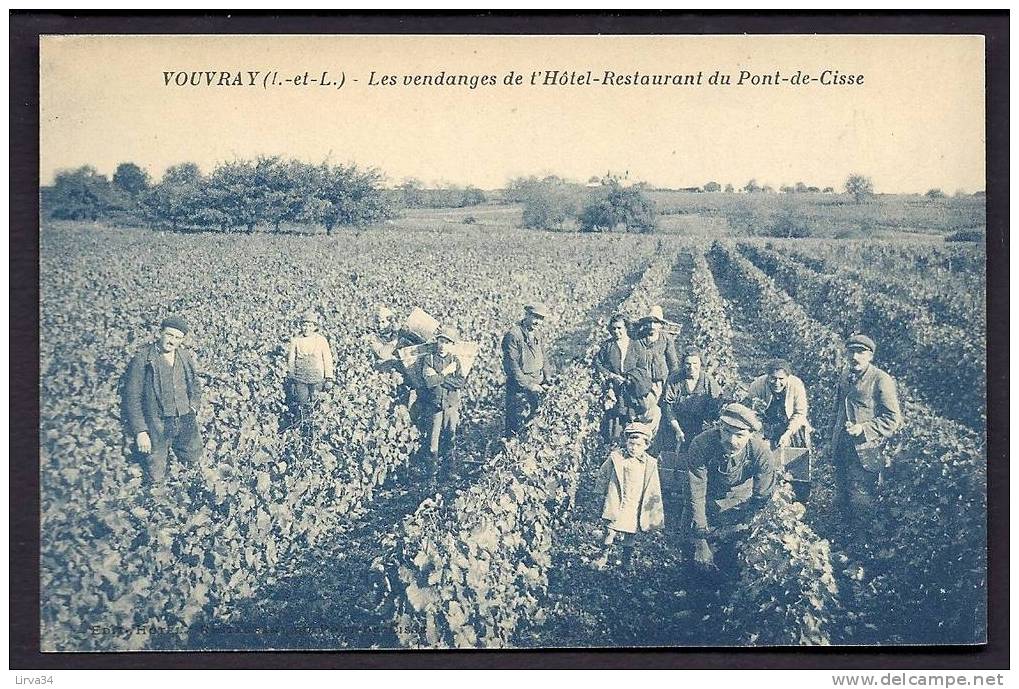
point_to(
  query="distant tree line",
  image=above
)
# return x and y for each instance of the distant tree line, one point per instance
(411, 193)
(238, 195)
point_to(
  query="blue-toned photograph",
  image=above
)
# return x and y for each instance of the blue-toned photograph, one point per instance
(512, 342)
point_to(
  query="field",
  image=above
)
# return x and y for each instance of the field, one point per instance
(272, 543)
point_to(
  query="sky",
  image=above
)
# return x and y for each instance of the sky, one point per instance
(915, 123)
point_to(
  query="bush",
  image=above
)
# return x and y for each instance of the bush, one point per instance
(628, 207)
(935, 194)
(788, 222)
(971, 234)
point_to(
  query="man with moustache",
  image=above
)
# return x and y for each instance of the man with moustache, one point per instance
(720, 460)
(528, 370)
(866, 413)
(162, 393)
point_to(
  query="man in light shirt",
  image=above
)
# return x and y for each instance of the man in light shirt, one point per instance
(309, 363)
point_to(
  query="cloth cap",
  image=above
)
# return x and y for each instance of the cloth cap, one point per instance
(739, 416)
(639, 430)
(309, 317)
(175, 322)
(447, 332)
(656, 314)
(537, 308)
(861, 342)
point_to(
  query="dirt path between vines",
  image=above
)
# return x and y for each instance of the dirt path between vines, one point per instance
(332, 599)
(663, 602)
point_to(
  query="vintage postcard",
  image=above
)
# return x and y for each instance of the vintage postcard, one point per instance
(486, 342)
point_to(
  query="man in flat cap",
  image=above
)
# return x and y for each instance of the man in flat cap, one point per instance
(162, 393)
(721, 460)
(866, 413)
(528, 369)
(443, 375)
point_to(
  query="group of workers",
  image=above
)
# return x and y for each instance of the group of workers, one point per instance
(717, 445)
(720, 445)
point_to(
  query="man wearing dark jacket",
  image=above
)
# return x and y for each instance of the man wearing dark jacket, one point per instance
(866, 413)
(162, 393)
(527, 368)
(444, 378)
(720, 460)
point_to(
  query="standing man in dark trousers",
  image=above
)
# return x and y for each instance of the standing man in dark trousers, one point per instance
(444, 378)
(866, 413)
(162, 393)
(527, 367)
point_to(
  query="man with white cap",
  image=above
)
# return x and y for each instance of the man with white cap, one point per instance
(444, 378)
(719, 461)
(866, 413)
(162, 393)
(528, 369)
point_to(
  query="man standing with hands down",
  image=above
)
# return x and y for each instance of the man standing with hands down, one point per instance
(162, 393)
(866, 412)
(527, 367)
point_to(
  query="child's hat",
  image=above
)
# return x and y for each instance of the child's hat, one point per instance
(634, 429)
(309, 317)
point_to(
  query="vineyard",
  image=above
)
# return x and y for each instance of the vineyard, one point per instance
(277, 542)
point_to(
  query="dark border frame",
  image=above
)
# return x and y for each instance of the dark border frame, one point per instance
(26, 27)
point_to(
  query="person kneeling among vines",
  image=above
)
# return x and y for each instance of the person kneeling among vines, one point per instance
(720, 462)
(444, 378)
(633, 495)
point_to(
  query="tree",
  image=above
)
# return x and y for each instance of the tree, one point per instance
(935, 194)
(729, 188)
(131, 179)
(801, 188)
(81, 194)
(712, 186)
(179, 198)
(629, 207)
(859, 186)
(233, 197)
(751, 187)
(548, 203)
(349, 196)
